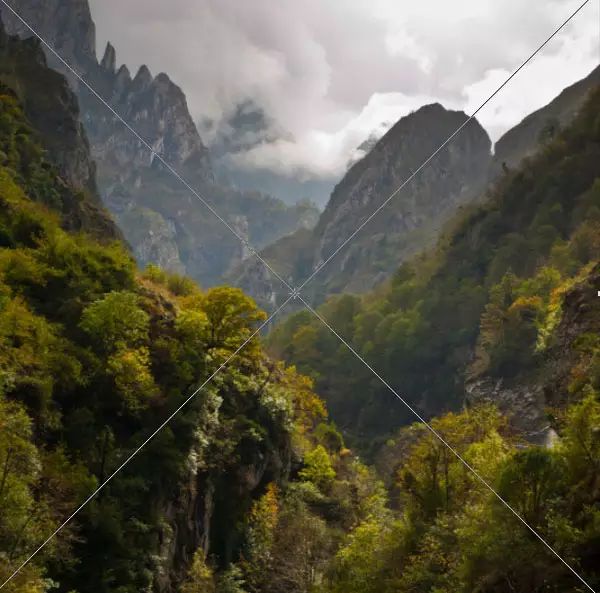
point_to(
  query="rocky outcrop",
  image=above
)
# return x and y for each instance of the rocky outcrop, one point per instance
(52, 108)
(523, 405)
(410, 222)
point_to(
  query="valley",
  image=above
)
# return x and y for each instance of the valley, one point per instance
(159, 432)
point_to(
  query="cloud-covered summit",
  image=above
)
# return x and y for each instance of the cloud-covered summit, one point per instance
(328, 73)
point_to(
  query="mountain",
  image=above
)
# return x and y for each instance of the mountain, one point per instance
(52, 109)
(413, 219)
(409, 223)
(164, 223)
(498, 306)
(492, 336)
(247, 128)
(249, 488)
(540, 126)
(94, 354)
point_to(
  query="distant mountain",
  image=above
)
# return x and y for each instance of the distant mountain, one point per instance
(247, 128)
(410, 222)
(164, 223)
(413, 219)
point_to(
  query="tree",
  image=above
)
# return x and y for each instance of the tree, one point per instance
(200, 577)
(232, 317)
(116, 322)
(318, 468)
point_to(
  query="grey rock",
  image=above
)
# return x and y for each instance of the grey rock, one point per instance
(109, 60)
(133, 171)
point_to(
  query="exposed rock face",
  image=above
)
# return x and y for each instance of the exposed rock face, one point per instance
(156, 105)
(52, 108)
(65, 25)
(454, 177)
(409, 222)
(181, 234)
(526, 401)
(523, 405)
(158, 110)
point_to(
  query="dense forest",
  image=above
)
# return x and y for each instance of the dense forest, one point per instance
(251, 488)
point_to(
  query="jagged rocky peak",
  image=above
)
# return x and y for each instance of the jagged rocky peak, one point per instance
(454, 177)
(157, 104)
(109, 60)
(121, 81)
(143, 79)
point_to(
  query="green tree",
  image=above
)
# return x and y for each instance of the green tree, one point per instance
(116, 321)
(318, 468)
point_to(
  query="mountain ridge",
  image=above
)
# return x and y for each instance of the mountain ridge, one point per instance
(162, 221)
(297, 263)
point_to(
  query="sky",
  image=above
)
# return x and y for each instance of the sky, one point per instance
(331, 72)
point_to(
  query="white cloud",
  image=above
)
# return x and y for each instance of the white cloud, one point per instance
(331, 72)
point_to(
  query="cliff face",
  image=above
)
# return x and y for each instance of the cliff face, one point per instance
(156, 105)
(412, 218)
(410, 221)
(161, 219)
(52, 109)
(66, 26)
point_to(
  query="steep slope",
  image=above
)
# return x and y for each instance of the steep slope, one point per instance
(540, 126)
(52, 109)
(410, 222)
(93, 356)
(453, 179)
(163, 222)
(482, 305)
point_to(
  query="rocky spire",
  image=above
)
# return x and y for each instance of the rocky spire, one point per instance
(109, 61)
(143, 78)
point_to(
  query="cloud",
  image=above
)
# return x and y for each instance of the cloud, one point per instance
(331, 72)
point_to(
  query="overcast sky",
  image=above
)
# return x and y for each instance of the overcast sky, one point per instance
(331, 71)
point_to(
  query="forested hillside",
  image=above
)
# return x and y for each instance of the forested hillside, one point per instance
(485, 302)
(93, 356)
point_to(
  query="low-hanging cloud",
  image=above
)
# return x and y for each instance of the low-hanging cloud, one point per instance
(330, 73)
